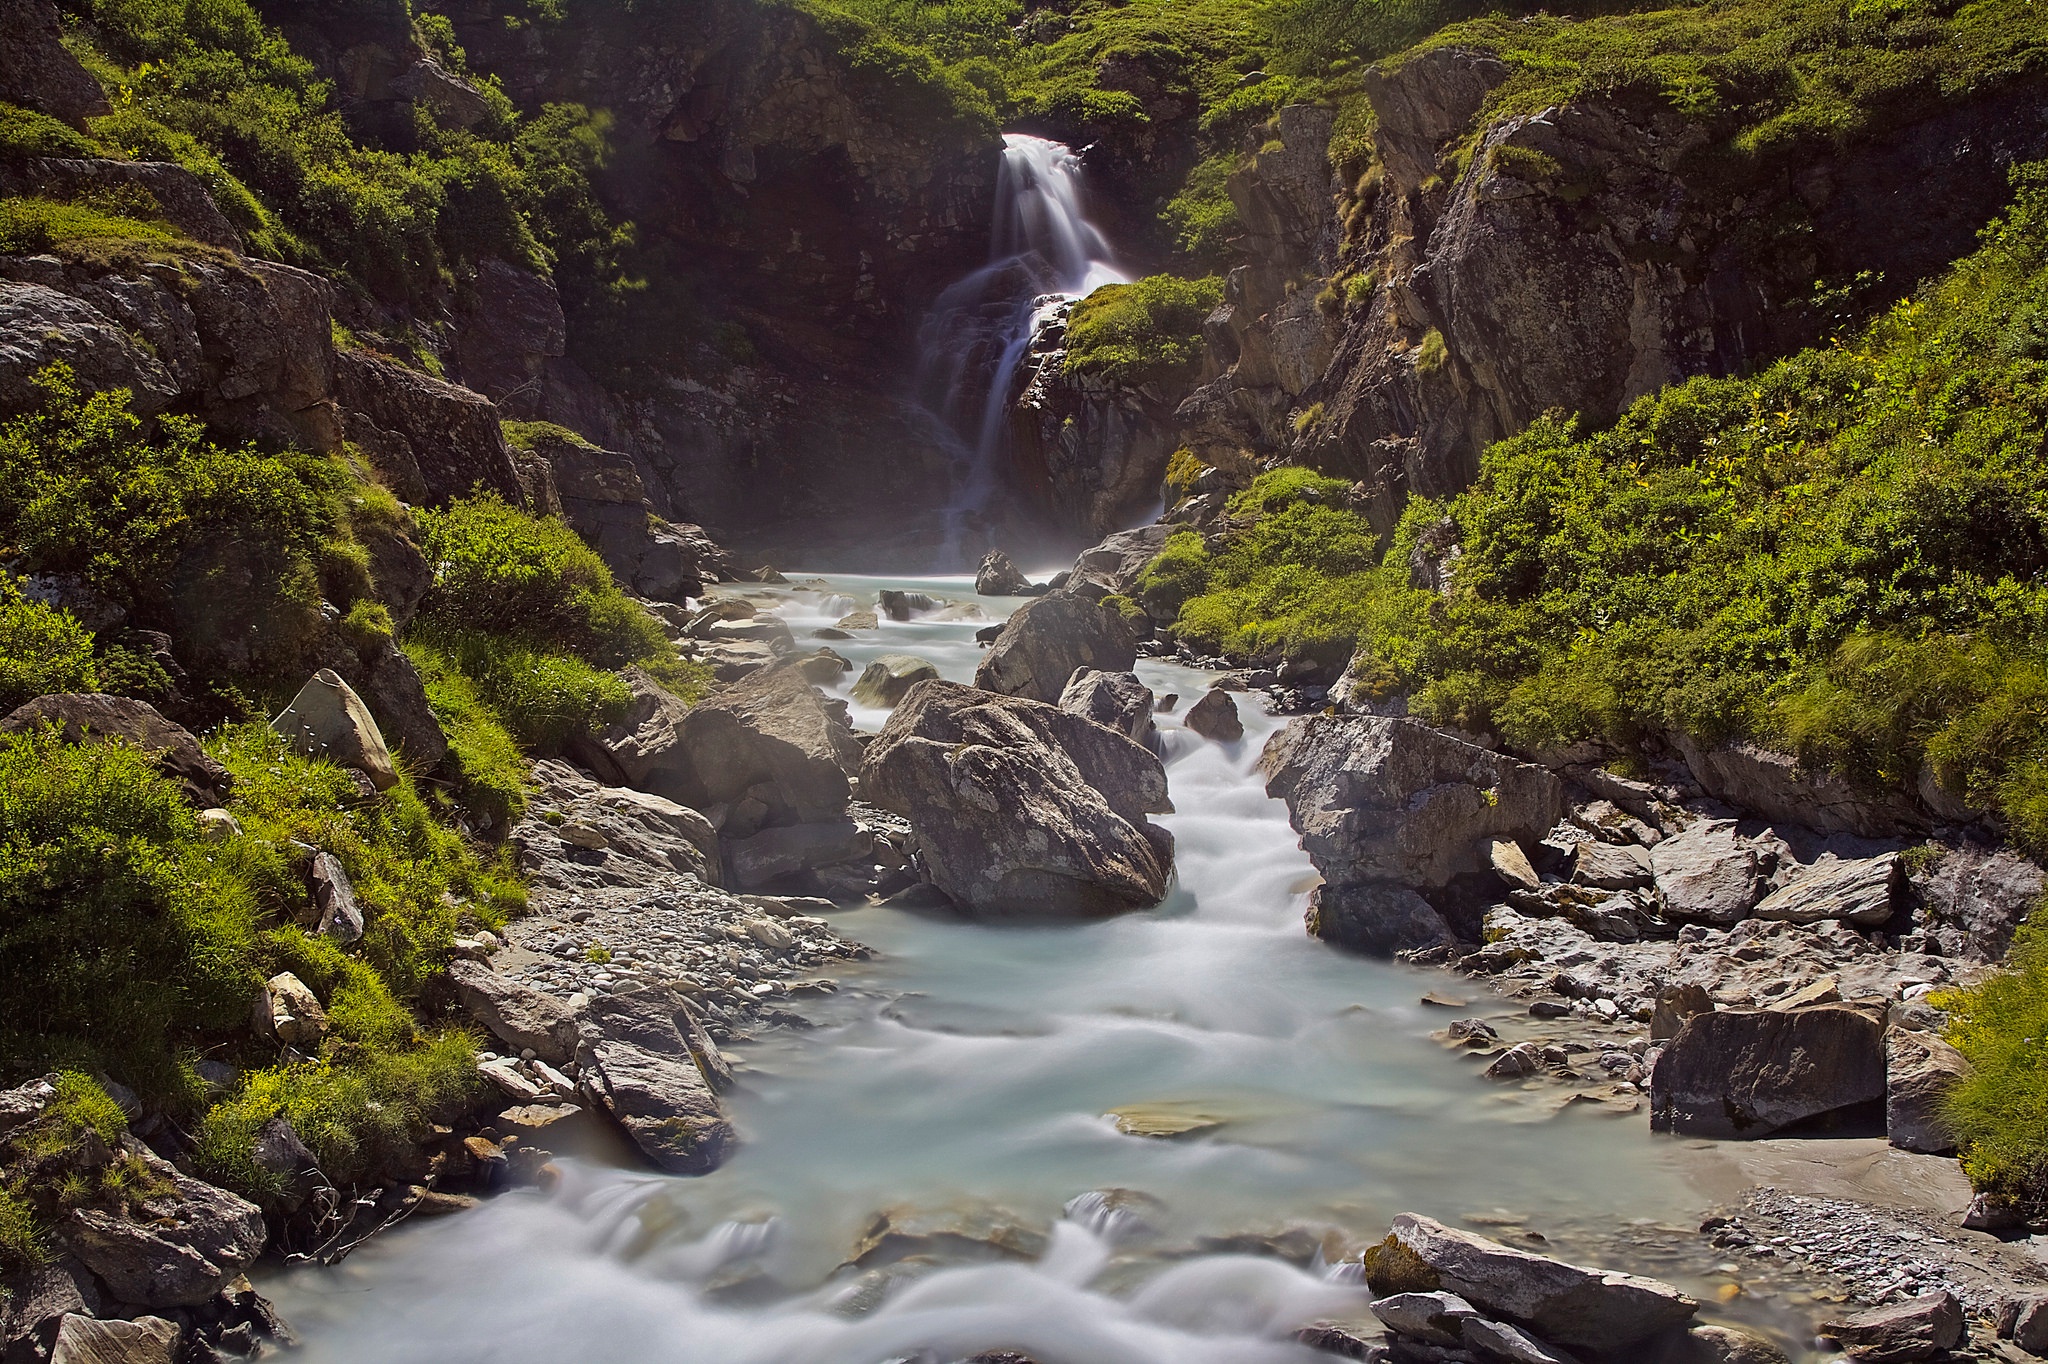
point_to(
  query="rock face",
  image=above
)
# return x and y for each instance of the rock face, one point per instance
(1708, 873)
(40, 327)
(86, 1340)
(636, 1063)
(328, 720)
(1116, 563)
(1751, 1072)
(38, 72)
(1117, 700)
(763, 752)
(93, 717)
(1904, 1333)
(1590, 1308)
(601, 495)
(431, 440)
(1020, 808)
(1389, 808)
(1920, 1070)
(189, 1241)
(1045, 641)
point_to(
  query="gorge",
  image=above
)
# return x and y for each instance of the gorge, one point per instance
(1009, 682)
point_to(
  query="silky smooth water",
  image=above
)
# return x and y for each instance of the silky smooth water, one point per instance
(964, 1075)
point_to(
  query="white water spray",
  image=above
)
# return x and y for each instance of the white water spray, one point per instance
(1043, 252)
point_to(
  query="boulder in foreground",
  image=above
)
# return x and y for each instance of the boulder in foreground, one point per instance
(1902, 1333)
(1594, 1309)
(1752, 1072)
(1020, 808)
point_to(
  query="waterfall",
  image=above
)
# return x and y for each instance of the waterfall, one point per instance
(1043, 253)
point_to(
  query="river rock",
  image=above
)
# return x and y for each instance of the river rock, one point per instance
(999, 576)
(1046, 640)
(1594, 1308)
(1379, 799)
(1709, 873)
(1612, 866)
(1750, 1072)
(1377, 917)
(518, 1015)
(1437, 1318)
(288, 1013)
(328, 720)
(1972, 898)
(1497, 1340)
(901, 606)
(93, 717)
(769, 737)
(1920, 1070)
(1215, 717)
(1119, 560)
(1118, 700)
(1019, 807)
(883, 682)
(179, 1248)
(1903, 1333)
(1854, 890)
(1715, 1345)
(774, 856)
(86, 1340)
(637, 1064)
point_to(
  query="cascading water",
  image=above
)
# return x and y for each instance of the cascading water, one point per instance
(1043, 253)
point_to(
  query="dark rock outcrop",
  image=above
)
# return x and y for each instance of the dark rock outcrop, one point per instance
(38, 72)
(189, 1241)
(1017, 807)
(431, 440)
(600, 493)
(999, 576)
(1751, 1072)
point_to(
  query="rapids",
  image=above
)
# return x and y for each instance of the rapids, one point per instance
(962, 1078)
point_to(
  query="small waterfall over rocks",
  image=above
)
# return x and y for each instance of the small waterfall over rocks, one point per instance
(1043, 254)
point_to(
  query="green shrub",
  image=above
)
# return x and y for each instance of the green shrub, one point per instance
(484, 758)
(1999, 1112)
(1146, 332)
(1202, 215)
(42, 650)
(24, 132)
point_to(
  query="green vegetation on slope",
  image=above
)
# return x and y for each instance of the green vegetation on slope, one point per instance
(1999, 1113)
(1843, 555)
(1142, 332)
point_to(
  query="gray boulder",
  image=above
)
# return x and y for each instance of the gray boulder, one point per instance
(1592, 1308)
(38, 72)
(1920, 1070)
(636, 1063)
(1379, 799)
(1612, 866)
(93, 717)
(1902, 1333)
(180, 1247)
(883, 682)
(34, 1303)
(1215, 717)
(87, 1340)
(769, 738)
(1776, 787)
(1855, 890)
(397, 696)
(1709, 873)
(1971, 899)
(40, 327)
(1119, 560)
(1377, 917)
(341, 918)
(1046, 640)
(1750, 1072)
(1118, 700)
(1434, 1318)
(517, 1015)
(1019, 807)
(1715, 1345)
(328, 720)
(999, 576)
(1497, 1340)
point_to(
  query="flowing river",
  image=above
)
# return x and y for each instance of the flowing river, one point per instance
(960, 1081)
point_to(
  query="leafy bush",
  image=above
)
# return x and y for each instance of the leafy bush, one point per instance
(1999, 1112)
(1146, 332)
(24, 132)
(42, 650)
(543, 699)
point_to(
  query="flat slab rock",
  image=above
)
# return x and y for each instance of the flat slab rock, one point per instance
(1560, 1303)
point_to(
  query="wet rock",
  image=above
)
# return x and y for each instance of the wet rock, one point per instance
(328, 720)
(1750, 1072)
(1117, 700)
(289, 1014)
(859, 620)
(1517, 1062)
(1856, 890)
(1901, 1334)
(521, 1017)
(341, 918)
(145, 1340)
(1393, 800)
(91, 717)
(901, 606)
(970, 1231)
(776, 855)
(1920, 1070)
(1215, 717)
(1612, 866)
(999, 576)
(1438, 1318)
(1377, 917)
(183, 1244)
(1593, 1308)
(1715, 1345)
(1019, 807)
(883, 682)
(1046, 640)
(636, 1063)
(1707, 872)
(1496, 1340)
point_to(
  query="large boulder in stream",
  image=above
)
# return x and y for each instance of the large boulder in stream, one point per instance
(1045, 641)
(1018, 807)
(647, 1061)
(767, 750)
(1391, 812)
